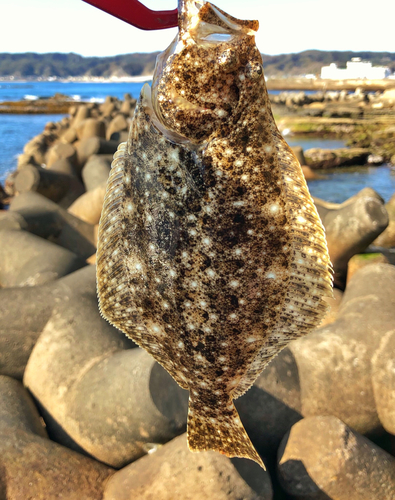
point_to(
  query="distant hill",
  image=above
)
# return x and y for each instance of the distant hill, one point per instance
(32, 65)
(311, 61)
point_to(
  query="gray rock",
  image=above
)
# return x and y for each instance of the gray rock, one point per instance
(11, 220)
(60, 151)
(387, 238)
(96, 392)
(91, 127)
(117, 124)
(88, 207)
(96, 171)
(298, 152)
(28, 260)
(383, 379)
(173, 472)
(127, 107)
(36, 148)
(331, 158)
(34, 467)
(272, 405)
(49, 183)
(48, 220)
(88, 147)
(322, 458)
(63, 166)
(351, 227)
(69, 136)
(119, 137)
(25, 311)
(17, 409)
(108, 106)
(82, 113)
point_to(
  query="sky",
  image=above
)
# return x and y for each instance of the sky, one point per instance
(285, 26)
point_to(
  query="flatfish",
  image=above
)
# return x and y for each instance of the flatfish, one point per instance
(211, 255)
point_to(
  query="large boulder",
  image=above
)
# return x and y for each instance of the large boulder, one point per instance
(322, 458)
(48, 220)
(98, 394)
(387, 238)
(351, 227)
(96, 171)
(49, 183)
(330, 158)
(173, 472)
(28, 260)
(383, 379)
(34, 467)
(91, 127)
(24, 312)
(88, 207)
(60, 151)
(93, 146)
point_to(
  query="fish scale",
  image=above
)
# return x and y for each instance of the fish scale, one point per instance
(211, 255)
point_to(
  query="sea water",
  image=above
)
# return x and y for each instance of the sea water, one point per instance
(16, 130)
(79, 91)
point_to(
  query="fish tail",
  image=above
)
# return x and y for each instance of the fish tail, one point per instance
(218, 427)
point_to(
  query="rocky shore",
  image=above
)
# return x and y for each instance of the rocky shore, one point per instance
(86, 414)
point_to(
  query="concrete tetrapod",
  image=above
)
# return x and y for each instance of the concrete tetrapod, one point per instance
(32, 466)
(60, 151)
(96, 171)
(383, 378)
(328, 372)
(173, 472)
(91, 127)
(95, 393)
(46, 219)
(351, 227)
(27, 260)
(49, 183)
(387, 238)
(322, 458)
(93, 146)
(25, 311)
(88, 207)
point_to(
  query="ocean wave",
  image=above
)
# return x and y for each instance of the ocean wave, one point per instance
(29, 97)
(76, 97)
(96, 99)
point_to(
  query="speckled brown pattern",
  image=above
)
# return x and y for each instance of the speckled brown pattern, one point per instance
(211, 254)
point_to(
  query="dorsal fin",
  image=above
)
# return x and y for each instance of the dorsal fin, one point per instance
(116, 300)
(310, 270)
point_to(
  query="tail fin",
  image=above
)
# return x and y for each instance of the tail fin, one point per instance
(218, 427)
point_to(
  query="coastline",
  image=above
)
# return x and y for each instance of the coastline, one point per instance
(272, 83)
(82, 79)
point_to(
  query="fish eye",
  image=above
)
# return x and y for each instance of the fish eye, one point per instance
(228, 59)
(254, 70)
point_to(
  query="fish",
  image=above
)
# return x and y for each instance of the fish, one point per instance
(211, 254)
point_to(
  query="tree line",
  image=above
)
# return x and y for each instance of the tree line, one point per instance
(33, 65)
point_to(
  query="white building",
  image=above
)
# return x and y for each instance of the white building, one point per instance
(356, 69)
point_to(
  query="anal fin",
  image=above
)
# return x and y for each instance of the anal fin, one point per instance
(218, 427)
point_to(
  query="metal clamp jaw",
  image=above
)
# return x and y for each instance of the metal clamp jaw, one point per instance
(135, 13)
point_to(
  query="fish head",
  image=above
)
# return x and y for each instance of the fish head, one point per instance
(199, 80)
